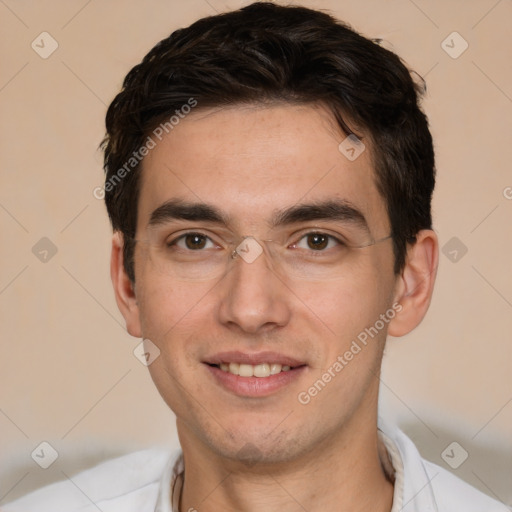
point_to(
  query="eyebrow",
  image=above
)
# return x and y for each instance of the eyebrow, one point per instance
(176, 209)
(331, 209)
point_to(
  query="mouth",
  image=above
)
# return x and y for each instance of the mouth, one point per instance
(261, 371)
(254, 375)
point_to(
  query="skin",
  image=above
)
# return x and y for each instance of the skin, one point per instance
(248, 161)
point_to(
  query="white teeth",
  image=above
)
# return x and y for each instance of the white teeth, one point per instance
(245, 370)
(262, 370)
(275, 368)
(259, 370)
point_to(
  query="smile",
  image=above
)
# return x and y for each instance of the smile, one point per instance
(253, 375)
(259, 370)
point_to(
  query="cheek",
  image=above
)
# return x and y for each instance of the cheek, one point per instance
(347, 305)
(170, 311)
(172, 314)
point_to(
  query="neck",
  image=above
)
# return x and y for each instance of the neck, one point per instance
(345, 473)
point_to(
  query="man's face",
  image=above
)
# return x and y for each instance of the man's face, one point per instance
(251, 163)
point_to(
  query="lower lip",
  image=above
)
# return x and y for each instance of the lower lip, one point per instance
(255, 386)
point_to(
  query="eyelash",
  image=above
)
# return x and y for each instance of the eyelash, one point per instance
(175, 241)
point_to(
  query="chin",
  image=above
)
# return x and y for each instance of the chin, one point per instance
(252, 446)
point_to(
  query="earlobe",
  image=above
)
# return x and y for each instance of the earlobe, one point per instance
(416, 283)
(124, 289)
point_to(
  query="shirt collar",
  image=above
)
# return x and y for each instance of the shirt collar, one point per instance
(171, 484)
(412, 487)
(412, 479)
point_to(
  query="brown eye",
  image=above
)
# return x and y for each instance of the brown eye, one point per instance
(191, 242)
(317, 241)
(195, 241)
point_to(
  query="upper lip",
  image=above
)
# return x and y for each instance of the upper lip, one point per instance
(253, 359)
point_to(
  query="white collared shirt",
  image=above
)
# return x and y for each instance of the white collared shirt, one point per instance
(151, 481)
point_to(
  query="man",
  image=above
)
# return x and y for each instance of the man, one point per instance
(269, 178)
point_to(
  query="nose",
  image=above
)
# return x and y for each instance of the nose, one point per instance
(253, 296)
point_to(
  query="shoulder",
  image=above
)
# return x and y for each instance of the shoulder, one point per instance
(127, 483)
(452, 493)
(427, 486)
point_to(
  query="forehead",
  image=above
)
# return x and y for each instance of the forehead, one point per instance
(250, 161)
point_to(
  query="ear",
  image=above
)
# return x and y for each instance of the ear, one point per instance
(123, 288)
(415, 285)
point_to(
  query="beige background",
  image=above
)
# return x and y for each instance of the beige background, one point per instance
(68, 374)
